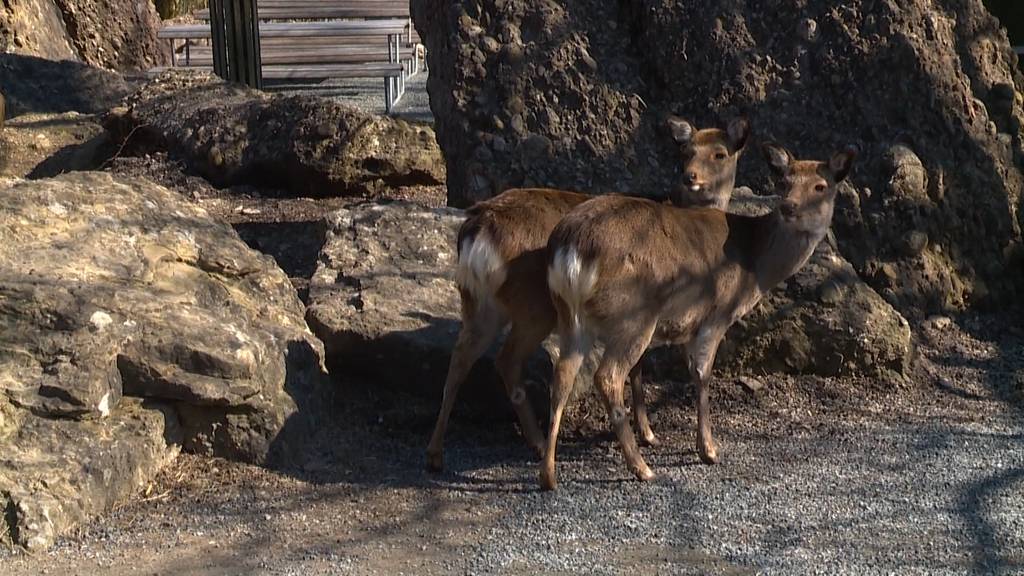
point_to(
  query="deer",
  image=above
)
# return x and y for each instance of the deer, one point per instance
(627, 270)
(502, 279)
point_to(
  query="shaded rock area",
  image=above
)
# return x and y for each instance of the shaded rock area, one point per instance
(56, 472)
(114, 289)
(115, 34)
(571, 94)
(302, 144)
(37, 85)
(384, 303)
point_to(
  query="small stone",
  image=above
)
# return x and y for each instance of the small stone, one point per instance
(750, 383)
(489, 44)
(215, 156)
(831, 293)
(939, 322)
(915, 242)
(327, 130)
(100, 320)
(808, 30)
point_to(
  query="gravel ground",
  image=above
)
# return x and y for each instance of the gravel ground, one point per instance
(368, 95)
(819, 477)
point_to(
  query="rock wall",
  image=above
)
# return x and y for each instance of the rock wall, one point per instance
(571, 94)
(115, 34)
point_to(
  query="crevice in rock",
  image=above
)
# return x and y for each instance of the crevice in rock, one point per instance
(10, 523)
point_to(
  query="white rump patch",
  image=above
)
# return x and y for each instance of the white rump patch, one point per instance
(481, 269)
(572, 280)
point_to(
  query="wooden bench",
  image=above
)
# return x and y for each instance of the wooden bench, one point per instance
(320, 49)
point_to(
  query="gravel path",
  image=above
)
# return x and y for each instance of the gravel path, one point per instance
(368, 95)
(819, 477)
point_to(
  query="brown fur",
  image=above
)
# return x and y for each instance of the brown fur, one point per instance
(518, 222)
(680, 274)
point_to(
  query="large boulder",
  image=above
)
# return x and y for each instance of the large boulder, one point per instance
(114, 289)
(383, 291)
(116, 34)
(35, 27)
(572, 94)
(311, 146)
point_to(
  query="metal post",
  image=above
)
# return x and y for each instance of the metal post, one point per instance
(234, 29)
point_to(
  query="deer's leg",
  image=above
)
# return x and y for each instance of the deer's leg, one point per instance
(479, 328)
(643, 425)
(619, 357)
(523, 339)
(570, 358)
(701, 352)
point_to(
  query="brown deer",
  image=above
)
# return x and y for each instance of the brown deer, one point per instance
(624, 270)
(501, 271)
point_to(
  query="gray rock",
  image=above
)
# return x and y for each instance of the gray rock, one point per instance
(308, 145)
(114, 289)
(946, 99)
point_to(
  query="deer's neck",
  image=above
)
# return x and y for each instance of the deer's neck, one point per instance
(779, 250)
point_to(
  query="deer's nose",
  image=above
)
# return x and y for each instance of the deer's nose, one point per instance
(788, 208)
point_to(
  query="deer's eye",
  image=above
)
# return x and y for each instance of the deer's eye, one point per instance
(819, 188)
(720, 156)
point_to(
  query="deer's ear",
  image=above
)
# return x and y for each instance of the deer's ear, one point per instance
(778, 157)
(682, 131)
(841, 163)
(739, 132)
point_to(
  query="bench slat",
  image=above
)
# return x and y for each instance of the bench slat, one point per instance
(298, 29)
(321, 13)
(315, 71)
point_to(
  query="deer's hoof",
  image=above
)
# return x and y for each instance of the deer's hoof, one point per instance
(649, 439)
(645, 474)
(435, 462)
(708, 452)
(548, 480)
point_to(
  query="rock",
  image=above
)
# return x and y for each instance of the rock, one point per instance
(908, 175)
(939, 322)
(308, 145)
(922, 120)
(56, 473)
(115, 290)
(36, 28)
(750, 383)
(117, 34)
(853, 331)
